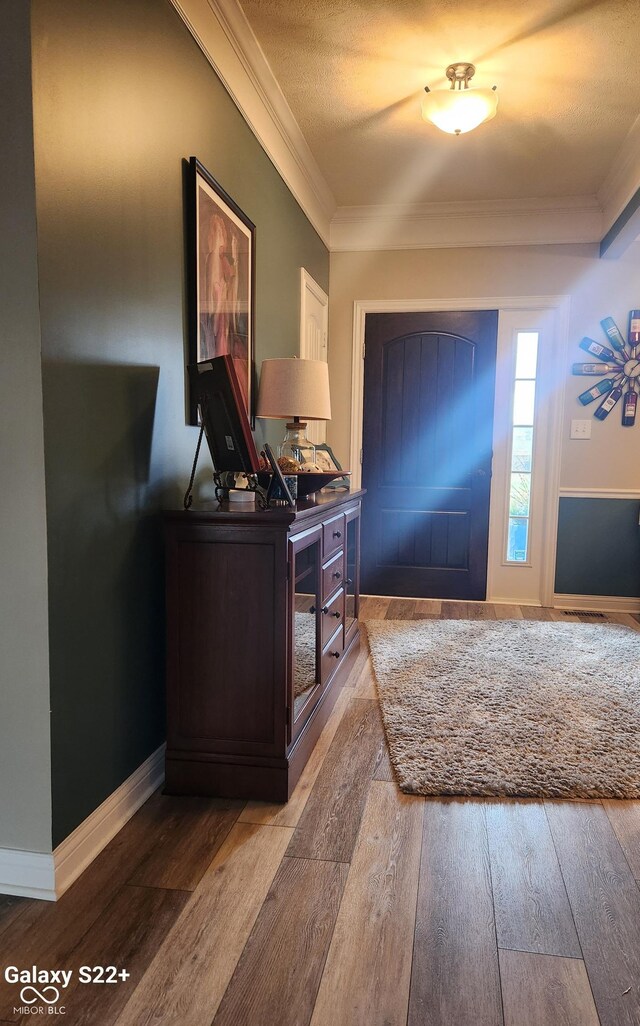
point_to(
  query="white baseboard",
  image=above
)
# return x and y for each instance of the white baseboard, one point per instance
(29, 874)
(87, 840)
(599, 603)
(33, 874)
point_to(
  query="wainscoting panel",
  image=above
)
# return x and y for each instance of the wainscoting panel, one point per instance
(598, 546)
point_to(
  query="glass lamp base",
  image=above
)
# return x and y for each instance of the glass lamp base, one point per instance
(296, 445)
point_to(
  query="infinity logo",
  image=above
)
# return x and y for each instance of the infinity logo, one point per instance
(39, 995)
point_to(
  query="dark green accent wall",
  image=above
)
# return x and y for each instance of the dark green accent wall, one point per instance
(122, 94)
(598, 547)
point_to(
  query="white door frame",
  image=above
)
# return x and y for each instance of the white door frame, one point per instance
(317, 429)
(309, 284)
(550, 462)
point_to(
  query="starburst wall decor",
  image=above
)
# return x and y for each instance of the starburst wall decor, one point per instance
(621, 367)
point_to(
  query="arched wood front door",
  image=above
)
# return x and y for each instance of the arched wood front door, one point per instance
(427, 445)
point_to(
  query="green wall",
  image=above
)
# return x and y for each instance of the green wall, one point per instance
(122, 95)
(598, 547)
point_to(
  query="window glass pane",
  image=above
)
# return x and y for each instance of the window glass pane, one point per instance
(523, 402)
(522, 448)
(524, 392)
(518, 539)
(520, 495)
(526, 354)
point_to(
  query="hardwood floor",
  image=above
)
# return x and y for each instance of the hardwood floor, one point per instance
(353, 905)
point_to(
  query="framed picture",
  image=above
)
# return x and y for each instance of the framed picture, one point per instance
(328, 464)
(325, 459)
(216, 388)
(278, 491)
(222, 257)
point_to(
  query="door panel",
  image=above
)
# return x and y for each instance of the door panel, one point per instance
(428, 417)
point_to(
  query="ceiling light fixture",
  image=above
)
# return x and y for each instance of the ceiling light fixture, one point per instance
(459, 109)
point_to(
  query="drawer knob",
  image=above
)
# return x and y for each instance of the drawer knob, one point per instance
(325, 609)
(335, 654)
(336, 574)
(337, 615)
(312, 609)
(337, 534)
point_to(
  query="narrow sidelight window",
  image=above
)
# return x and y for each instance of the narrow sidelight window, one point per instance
(524, 393)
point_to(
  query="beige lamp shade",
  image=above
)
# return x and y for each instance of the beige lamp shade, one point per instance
(294, 388)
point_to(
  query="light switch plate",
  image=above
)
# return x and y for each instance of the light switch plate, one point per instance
(581, 429)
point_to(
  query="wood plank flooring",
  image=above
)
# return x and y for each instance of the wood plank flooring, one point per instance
(455, 976)
(353, 905)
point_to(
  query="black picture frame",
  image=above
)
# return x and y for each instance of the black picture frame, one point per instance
(221, 281)
(278, 491)
(216, 389)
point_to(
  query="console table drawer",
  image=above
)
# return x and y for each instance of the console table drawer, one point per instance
(330, 658)
(332, 616)
(332, 575)
(333, 535)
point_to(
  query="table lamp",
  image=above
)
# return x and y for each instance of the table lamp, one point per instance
(296, 391)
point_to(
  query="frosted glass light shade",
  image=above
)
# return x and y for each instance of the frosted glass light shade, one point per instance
(294, 388)
(459, 110)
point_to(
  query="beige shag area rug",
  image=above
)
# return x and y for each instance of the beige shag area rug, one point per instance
(511, 707)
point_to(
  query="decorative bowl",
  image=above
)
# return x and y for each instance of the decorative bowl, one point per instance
(307, 483)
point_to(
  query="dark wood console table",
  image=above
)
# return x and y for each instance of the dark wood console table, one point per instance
(262, 630)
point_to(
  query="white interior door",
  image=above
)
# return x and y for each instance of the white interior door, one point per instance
(314, 320)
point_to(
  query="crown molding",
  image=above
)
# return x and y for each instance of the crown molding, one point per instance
(623, 180)
(224, 35)
(528, 222)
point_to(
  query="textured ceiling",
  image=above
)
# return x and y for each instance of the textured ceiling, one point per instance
(353, 72)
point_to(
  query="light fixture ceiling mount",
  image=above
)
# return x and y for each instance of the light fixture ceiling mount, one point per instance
(459, 73)
(459, 109)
